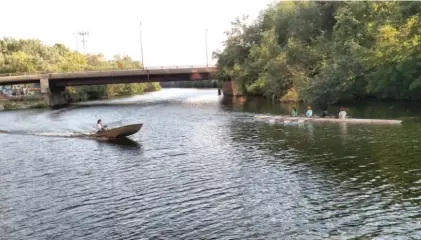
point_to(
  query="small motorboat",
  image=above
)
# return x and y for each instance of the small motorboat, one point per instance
(120, 132)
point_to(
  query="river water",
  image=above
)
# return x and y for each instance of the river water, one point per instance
(202, 168)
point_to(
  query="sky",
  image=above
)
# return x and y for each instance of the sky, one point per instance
(173, 31)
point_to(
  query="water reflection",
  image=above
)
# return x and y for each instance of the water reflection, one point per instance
(371, 156)
(343, 129)
(122, 144)
(369, 167)
(204, 169)
(363, 109)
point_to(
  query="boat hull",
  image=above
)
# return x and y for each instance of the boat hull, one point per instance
(120, 132)
(346, 120)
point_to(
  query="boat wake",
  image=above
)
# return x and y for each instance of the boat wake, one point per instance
(123, 142)
(58, 134)
(47, 134)
(70, 135)
(120, 132)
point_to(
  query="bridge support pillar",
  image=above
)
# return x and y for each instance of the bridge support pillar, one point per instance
(57, 97)
(230, 88)
(45, 86)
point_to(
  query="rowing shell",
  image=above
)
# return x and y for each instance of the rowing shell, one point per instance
(346, 120)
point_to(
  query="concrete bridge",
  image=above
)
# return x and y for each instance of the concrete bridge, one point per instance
(54, 84)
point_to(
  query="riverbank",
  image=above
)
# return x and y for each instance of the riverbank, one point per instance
(97, 92)
(81, 94)
(23, 103)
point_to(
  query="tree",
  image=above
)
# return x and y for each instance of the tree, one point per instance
(30, 56)
(327, 51)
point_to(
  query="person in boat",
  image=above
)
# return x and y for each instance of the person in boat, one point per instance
(342, 113)
(309, 112)
(324, 112)
(101, 127)
(294, 112)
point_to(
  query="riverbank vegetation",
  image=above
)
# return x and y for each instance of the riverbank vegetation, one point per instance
(30, 56)
(85, 93)
(193, 84)
(327, 51)
(23, 103)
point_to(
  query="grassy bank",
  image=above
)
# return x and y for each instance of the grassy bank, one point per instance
(23, 103)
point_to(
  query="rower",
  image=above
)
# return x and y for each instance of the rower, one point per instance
(342, 113)
(309, 112)
(100, 127)
(294, 112)
(324, 112)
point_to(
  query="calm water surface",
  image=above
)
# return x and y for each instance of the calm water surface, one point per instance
(202, 168)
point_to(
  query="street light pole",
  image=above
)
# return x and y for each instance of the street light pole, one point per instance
(141, 45)
(206, 43)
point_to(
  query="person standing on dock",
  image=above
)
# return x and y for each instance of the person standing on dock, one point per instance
(294, 112)
(342, 113)
(309, 112)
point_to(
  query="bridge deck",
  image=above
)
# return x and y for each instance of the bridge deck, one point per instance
(35, 77)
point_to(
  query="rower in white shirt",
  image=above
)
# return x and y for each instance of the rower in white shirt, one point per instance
(100, 127)
(342, 113)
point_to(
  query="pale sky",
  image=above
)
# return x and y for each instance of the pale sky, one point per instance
(173, 31)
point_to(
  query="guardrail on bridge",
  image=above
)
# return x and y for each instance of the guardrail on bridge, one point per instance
(111, 70)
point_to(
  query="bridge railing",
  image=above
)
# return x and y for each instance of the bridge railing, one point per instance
(110, 70)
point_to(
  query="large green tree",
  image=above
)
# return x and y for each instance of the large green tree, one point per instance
(327, 51)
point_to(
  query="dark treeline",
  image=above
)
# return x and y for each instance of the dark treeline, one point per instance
(327, 51)
(26, 56)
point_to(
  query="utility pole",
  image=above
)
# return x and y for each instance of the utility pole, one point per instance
(83, 34)
(206, 43)
(141, 45)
